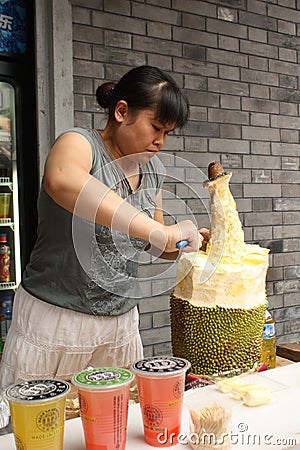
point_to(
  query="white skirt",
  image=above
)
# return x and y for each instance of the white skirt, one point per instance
(46, 341)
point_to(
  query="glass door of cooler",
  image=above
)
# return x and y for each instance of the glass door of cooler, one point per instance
(10, 261)
(9, 203)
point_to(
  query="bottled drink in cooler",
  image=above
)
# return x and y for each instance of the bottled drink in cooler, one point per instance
(6, 303)
(4, 259)
(268, 353)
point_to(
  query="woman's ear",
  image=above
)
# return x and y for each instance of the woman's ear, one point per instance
(121, 110)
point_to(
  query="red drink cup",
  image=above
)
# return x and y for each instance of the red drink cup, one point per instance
(104, 397)
(160, 382)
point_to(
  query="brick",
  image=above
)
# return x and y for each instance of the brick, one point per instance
(281, 40)
(121, 7)
(230, 131)
(228, 87)
(260, 105)
(262, 120)
(267, 162)
(285, 122)
(261, 233)
(89, 69)
(194, 52)
(198, 37)
(227, 28)
(83, 86)
(286, 176)
(82, 50)
(190, 67)
(255, 48)
(258, 35)
(283, 13)
(113, 22)
(288, 231)
(256, 62)
(148, 44)
(264, 22)
(95, 4)
(288, 54)
(258, 7)
(145, 321)
(195, 7)
(196, 144)
(227, 116)
(259, 91)
(260, 148)
(261, 176)
(230, 102)
(281, 204)
(229, 43)
(193, 21)
(81, 15)
(155, 13)
(227, 14)
(253, 76)
(288, 109)
(156, 335)
(291, 218)
(291, 272)
(159, 30)
(284, 149)
(264, 134)
(89, 34)
(225, 57)
(195, 82)
(229, 73)
(198, 113)
(119, 56)
(288, 191)
(271, 190)
(162, 61)
(289, 135)
(290, 163)
(286, 27)
(229, 145)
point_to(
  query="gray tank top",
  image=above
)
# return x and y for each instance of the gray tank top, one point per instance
(84, 266)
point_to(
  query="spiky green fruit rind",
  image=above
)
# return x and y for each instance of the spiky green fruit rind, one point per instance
(216, 340)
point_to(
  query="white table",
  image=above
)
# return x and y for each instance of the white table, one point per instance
(272, 426)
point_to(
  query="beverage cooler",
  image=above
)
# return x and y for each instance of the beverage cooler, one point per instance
(18, 150)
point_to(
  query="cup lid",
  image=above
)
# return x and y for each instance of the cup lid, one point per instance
(161, 365)
(36, 390)
(102, 377)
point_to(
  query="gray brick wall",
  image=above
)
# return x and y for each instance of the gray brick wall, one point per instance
(238, 62)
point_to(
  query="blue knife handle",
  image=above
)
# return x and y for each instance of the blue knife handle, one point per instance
(182, 244)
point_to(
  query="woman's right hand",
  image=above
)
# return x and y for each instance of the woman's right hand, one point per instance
(165, 238)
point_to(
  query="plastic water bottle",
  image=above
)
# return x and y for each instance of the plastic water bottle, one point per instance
(268, 352)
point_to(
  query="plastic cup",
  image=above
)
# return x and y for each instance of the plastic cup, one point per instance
(38, 413)
(104, 397)
(160, 382)
(5, 205)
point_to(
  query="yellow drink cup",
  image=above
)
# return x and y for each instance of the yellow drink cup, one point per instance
(38, 413)
(160, 381)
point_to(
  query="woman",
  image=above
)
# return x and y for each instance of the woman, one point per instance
(100, 205)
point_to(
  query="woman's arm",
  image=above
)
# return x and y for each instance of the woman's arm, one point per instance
(68, 182)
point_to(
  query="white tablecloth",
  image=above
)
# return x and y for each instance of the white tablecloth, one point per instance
(272, 426)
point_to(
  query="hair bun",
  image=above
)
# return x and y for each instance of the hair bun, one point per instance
(104, 93)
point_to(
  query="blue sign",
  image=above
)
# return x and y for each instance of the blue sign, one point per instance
(12, 26)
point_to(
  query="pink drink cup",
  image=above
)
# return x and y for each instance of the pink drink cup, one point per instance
(104, 398)
(160, 382)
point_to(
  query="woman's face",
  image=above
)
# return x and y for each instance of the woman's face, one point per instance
(142, 135)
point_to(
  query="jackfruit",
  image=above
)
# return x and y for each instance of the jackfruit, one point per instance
(218, 305)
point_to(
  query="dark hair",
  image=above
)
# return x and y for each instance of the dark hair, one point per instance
(146, 87)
